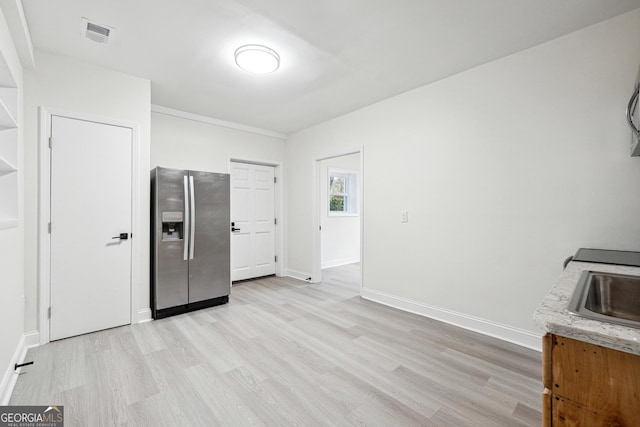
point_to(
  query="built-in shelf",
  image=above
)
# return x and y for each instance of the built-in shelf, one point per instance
(9, 199)
(8, 148)
(9, 100)
(6, 167)
(6, 78)
(7, 119)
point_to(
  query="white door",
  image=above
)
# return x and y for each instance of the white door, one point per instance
(253, 216)
(90, 208)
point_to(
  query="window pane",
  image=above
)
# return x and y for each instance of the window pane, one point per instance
(343, 197)
(337, 204)
(337, 185)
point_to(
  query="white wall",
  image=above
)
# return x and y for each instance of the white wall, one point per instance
(340, 236)
(11, 242)
(188, 144)
(66, 84)
(182, 143)
(504, 169)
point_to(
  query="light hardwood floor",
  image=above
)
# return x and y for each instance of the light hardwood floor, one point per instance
(284, 352)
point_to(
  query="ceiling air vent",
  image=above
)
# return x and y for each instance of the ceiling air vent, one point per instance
(95, 32)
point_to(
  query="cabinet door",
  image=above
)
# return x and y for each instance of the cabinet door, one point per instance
(593, 385)
(567, 413)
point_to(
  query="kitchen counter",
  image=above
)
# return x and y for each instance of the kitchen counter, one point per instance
(553, 317)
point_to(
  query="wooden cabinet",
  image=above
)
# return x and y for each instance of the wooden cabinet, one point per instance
(8, 148)
(588, 385)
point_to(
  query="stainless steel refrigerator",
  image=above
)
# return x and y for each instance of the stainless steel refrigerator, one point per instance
(190, 240)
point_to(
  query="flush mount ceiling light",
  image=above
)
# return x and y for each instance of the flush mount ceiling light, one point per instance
(257, 59)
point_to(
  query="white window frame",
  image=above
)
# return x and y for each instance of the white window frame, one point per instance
(351, 191)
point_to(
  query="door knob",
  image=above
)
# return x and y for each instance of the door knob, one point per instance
(122, 236)
(235, 229)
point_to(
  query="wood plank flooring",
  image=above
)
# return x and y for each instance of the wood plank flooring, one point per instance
(287, 353)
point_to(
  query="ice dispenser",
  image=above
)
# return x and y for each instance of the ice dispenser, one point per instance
(172, 226)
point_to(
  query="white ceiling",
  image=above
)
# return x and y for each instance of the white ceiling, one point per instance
(337, 55)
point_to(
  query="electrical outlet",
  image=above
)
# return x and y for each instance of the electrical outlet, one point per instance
(404, 216)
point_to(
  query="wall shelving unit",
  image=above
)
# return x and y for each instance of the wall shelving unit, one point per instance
(8, 148)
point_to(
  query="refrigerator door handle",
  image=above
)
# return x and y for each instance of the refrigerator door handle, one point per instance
(192, 210)
(186, 220)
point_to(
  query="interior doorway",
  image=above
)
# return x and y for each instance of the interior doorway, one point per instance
(338, 215)
(88, 220)
(253, 216)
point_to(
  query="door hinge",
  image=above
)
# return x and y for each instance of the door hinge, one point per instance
(50, 141)
(275, 221)
(275, 258)
(49, 227)
(49, 313)
(275, 180)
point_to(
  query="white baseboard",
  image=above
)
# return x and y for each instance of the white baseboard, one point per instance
(476, 324)
(32, 339)
(144, 315)
(339, 262)
(11, 375)
(298, 275)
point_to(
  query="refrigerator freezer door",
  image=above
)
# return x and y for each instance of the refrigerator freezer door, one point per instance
(171, 270)
(210, 267)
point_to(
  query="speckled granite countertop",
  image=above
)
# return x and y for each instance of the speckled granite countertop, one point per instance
(553, 317)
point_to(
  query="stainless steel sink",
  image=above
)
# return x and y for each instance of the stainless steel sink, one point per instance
(608, 297)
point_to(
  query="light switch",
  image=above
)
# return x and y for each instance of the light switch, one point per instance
(404, 216)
